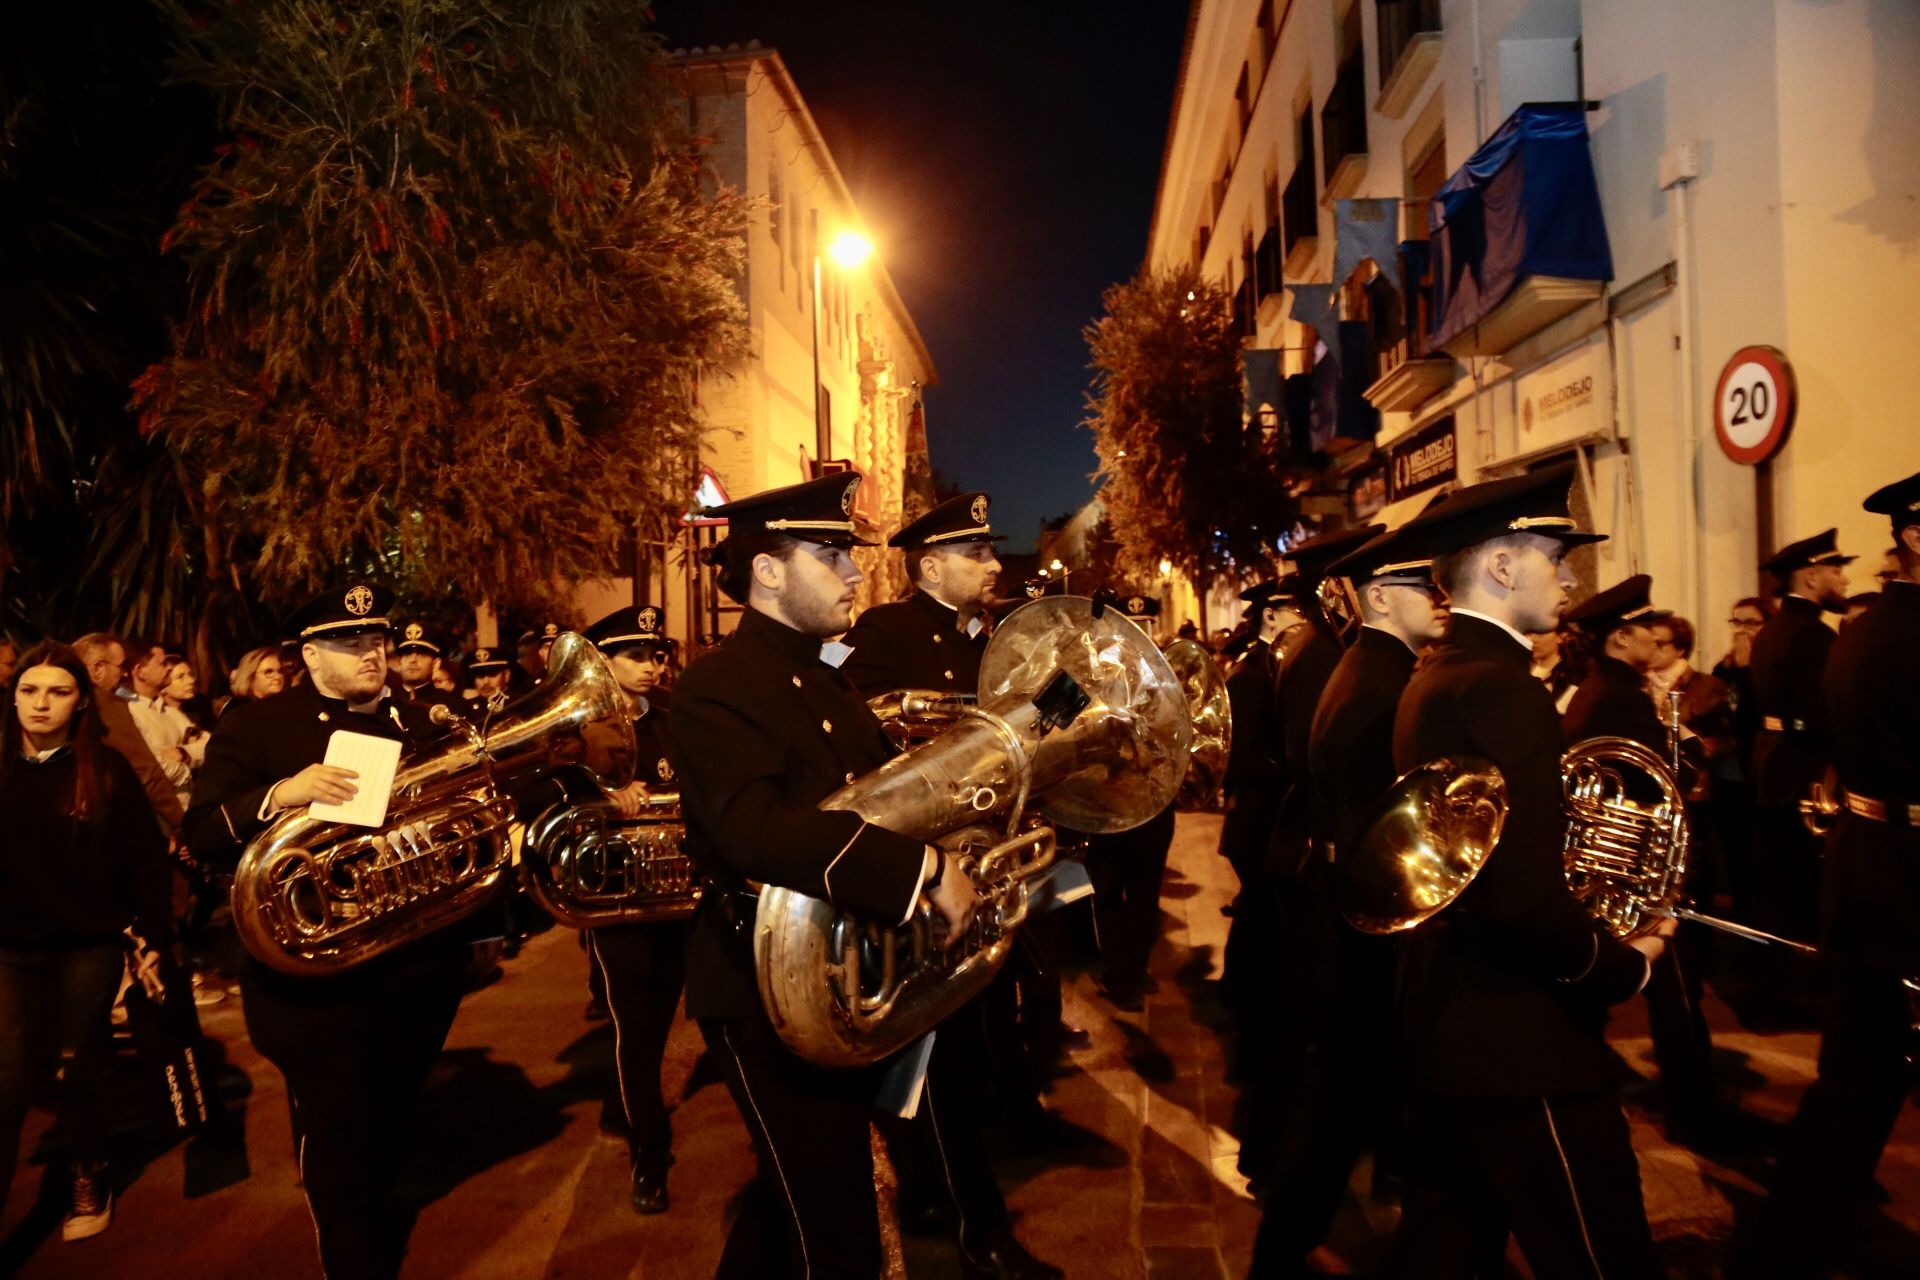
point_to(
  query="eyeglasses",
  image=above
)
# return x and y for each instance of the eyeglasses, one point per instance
(1745, 624)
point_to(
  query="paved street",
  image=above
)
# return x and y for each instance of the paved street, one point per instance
(513, 1179)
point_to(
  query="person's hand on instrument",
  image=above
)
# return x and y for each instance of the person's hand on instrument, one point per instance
(954, 899)
(630, 800)
(1653, 945)
(317, 783)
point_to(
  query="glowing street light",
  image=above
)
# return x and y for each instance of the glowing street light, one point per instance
(850, 249)
(1166, 567)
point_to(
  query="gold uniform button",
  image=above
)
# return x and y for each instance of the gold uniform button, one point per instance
(947, 674)
(849, 775)
(936, 639)
(796, 682)
(826, 726)
(323, 715)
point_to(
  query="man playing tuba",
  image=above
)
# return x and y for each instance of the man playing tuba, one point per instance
(356, 1048)
(764, 730)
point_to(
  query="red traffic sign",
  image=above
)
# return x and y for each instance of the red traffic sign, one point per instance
(1753, 404)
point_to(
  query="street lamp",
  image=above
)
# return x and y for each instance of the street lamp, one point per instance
(1065, 579)
(849, 251)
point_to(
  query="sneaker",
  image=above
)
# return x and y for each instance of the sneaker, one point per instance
(92, 1204)
(207, 990)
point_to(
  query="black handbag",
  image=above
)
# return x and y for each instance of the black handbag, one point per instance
(166, 1034)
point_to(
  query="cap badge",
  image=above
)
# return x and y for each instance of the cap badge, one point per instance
(649, 619)
(846, 496)
(979, 509)
(483, 655)
(665, 770)
(415, 631)
(1035, 590)
(359, 601)
(1136, 605)
(550, 632)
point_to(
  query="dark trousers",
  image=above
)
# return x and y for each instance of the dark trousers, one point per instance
(942, 1157)
(811, 1210)
(1033, 973)
(1682, 1044)
(1826, 1165)
(355, 1063)
(54, 1023)
(1126, 869)
(1786, 874)
(1243, 842)
(1558, 1173)
(1334, 1084)
(644, 967)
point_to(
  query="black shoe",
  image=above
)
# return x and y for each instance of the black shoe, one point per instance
(1004, 1258)
(649, 1195)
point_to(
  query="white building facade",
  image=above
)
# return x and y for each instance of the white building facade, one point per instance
(1754, 175)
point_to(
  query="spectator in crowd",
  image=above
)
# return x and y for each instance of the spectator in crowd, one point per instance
(106, 659)
(83, 860)
(8, 656)
(1731, 799)
(184, 694)
(447, 676)
(260, 674)
(164, 735)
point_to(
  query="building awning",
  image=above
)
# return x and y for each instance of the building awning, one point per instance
(1523, 211)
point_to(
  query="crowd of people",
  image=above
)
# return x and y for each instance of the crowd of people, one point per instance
(1461, 1045)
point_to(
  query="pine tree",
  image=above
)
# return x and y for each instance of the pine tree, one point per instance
(1184, 479)
(456, 278)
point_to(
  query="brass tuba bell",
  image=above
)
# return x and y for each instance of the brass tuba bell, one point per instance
(1211, 715)
(316, 898)
(589, 865)
(1102, 750)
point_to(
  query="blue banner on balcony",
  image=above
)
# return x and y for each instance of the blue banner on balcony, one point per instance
(1525, 204)
(1317, 307)
(1260, 380)
(1366, 229)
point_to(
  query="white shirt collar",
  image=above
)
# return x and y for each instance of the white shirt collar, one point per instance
(1519, 637)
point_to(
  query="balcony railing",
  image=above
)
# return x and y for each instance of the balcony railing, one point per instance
(1398, 22)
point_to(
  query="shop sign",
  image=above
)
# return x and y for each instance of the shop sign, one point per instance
(1422, 460)
(1753, 404)
(1566, 400)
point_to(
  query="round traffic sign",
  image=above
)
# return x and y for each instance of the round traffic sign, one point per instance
(1753, 404)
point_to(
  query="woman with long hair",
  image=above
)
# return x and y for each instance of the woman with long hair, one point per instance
(83, 859)
(261, 674)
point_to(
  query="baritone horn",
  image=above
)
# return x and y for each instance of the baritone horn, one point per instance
(314, 898)
(1079, 722)
(589, 865)
(1210, 714)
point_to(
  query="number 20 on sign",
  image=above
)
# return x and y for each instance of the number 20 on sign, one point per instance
(1753, 404)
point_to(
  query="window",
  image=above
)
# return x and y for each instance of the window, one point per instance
(1396, 23)
(1299, 203)
(1343, 121)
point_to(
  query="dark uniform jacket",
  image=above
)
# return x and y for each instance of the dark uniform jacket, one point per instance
(763, 731)
(258, 743)
(1350, 755)
(1504, 992)
(428, 695)
(1789, 662)
(1612, 702)
(1251, 760)
(1309, 652)
(916, 643)
(1873, 868)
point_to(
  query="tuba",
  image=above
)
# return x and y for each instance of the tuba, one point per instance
(316, 898)
(1625, 848)
(1079, 722)
(912, 716)
(589, 865)
(1211, 715)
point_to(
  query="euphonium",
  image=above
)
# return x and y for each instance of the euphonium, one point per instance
(1211, 715)
(590, 865)
(315, 898)
(1101, 750)
(912, 716)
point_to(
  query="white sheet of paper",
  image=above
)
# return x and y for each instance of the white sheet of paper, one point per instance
(833, 653)
(376, 760)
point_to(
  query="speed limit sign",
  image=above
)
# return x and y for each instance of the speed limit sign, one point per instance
(1753, 405)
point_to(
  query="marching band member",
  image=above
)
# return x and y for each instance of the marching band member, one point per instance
(355, 1049)
(1792, 751)
(934, 639)
(413, 659)
(490, 672)
(1871, 919)
(765, 730)
(1612, 701)
(1344, 1095)
(1514, 1122)
(643, 966)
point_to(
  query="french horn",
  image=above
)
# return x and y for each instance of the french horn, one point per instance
(316, 898)
(1210, 714)
(1079, 722)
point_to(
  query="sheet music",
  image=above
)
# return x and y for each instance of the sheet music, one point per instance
(376, 760)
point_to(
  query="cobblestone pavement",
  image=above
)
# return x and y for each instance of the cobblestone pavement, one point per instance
(514, 1180)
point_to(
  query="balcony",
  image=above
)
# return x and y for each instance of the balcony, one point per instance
(1343, 130)
(1408, 41)
(1269, 276)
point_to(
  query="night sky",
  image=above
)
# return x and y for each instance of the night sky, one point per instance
(1004, 156)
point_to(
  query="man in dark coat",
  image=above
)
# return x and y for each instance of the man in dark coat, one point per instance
(413, 659)
(934, 638)
(1613, 701)
(355, 1048)
(1871, 927)
(1793, 750)
(1342, 1093)
(1514, 1125)
(765, 730)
